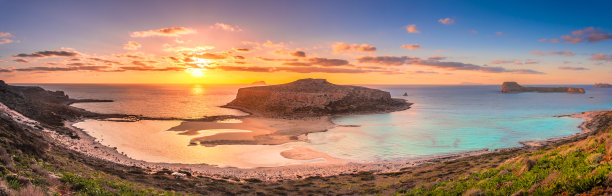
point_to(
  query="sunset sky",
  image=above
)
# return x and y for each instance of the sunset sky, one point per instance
(347, 42)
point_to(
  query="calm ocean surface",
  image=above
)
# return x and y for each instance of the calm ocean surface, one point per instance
(443, 119)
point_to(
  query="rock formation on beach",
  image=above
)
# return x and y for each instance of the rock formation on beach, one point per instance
(603, 85)
(513, 87)
(314, 97)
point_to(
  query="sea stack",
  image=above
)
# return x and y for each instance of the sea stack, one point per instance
(603, 85)
(314, 97)
(513, 87)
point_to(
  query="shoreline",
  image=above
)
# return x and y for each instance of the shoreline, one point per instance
(332, 166)
(88, 146)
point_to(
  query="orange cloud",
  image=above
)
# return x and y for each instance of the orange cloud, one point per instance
(344, 47)
(271, 44)
(5, 41)
(446, 21)
(242, 49)
(412, 29)
(601, 57)
(411, 46)
(165, 32)
(5, 34)
(131, 46)
(226, 27)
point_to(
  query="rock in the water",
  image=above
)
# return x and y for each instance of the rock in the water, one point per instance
(603, 85)
(314, 97)
(513, 87)
(406, 94)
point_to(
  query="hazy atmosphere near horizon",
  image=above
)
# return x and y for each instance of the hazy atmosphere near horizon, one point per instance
(339, 97)
(347, 42)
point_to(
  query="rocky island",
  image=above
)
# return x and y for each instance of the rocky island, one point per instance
(603, 85)
(513, 87)
(314, 97)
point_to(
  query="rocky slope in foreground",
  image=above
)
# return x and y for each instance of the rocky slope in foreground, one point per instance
(314, 97)
(513, 87)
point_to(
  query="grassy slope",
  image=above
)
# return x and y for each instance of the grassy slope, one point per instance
(577, 167)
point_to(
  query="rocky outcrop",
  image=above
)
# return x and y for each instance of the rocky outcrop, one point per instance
(313, 97)
(49, 107)
(513, 87)
(603, 85)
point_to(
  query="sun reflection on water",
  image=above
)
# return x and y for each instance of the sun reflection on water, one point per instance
(197, 89)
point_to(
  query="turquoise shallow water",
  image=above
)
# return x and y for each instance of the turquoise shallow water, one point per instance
(447, 119)
(443, 119)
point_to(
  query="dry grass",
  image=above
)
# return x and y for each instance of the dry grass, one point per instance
(31, 190)
(7, 159)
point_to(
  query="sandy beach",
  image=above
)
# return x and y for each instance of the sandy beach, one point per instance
(331, 166)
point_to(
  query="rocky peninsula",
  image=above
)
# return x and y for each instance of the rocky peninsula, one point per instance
(603, 85)
(513, 87)
(314, 97)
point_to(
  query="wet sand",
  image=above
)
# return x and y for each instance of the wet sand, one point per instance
(259, 131)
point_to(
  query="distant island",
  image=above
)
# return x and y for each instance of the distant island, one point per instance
(603, 85)
(259, 83)
(513, 87)
(314, 97)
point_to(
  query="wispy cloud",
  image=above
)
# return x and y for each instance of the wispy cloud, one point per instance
(132, 46)
(395, 61)
(589, 34)
(411, 46)
(574, 68)
(328, 62)
(21, 61)
(49, 53)
(339, 47)
(562, 53)
(412, 29)
(5, 41)
(446, 21)
(297, 53)
(226, 27)
(386, 60)
(5, 34)
(242, 49)
(165, 32)
(601, 57)
(273, 59)
(555, 40)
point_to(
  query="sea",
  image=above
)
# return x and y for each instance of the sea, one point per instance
(444, 119)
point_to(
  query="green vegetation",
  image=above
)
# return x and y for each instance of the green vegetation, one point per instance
(579, 167)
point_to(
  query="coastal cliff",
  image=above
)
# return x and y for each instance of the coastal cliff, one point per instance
(513, 87)
(314, 97)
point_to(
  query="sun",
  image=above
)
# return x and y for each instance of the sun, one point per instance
(196, 72)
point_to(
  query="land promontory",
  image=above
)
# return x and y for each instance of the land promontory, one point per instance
(603, 85)
(314, 97)
(513, 87)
